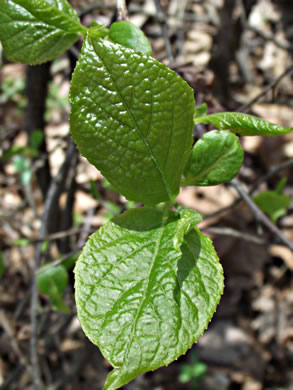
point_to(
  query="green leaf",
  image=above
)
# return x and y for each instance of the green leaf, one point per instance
(281, 185)
(141, 301)
(188, 220)
(273, 204)
(70, 262)
(36, 31)
(2, 264)
(128, 35)
(242, 124)
(53, 282)
(132, 118)
(36, 139)
(216, 158)
(21, 242)
(200, 111)
(94, 190)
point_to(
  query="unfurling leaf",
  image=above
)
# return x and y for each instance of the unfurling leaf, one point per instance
(216, 158)
(139, 299)
(36, 31)
(242, 124)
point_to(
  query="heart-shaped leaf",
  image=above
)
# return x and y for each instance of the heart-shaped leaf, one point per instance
(36, 31)
(132, 118)
(242, 124)
(216, 158)
(139, 299)
(128, 35)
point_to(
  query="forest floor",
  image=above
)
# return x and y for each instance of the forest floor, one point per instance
(235, 58)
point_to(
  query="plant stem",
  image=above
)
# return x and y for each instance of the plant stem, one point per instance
(122, 10)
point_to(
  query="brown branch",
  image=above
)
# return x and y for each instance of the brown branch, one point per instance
(272, 85)
(50, 203)
(260, 215)
(274, 170)
(165, 32)
(121, 10)
(227, 231)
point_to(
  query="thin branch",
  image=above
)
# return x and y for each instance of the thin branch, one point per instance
(61, 260)
(121, 10)
(227, 231)
(92, 7)
(181, 29)
(135, 9)
(271, 172)
(57, 236)
(260, 215)
(165, 32)
(274, 170)
(268, 37)
(272, 85)
(49, 205)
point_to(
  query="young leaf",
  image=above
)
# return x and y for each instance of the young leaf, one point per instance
(141, 301)
(36, 31)
(281, 185)
(273, 203)
(53, 282)
(132, 118)
(216, 158)
(128, 35)
(242, 124)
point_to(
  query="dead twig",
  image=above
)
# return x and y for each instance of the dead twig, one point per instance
(271, 86)
(54, 189)
(227, 231)
(270, 173)
(267, 37)
(164, 27)
(274, 170)
(61, 260)
(121, 10)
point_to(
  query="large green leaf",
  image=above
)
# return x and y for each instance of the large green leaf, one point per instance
(36, 31)
(132, 118)
(242, 124)
(139, 299)
(216, 158)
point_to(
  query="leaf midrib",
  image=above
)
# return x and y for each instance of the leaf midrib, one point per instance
(211, 167)
(156, 251)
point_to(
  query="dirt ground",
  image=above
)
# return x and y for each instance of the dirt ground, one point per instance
(236, 55)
